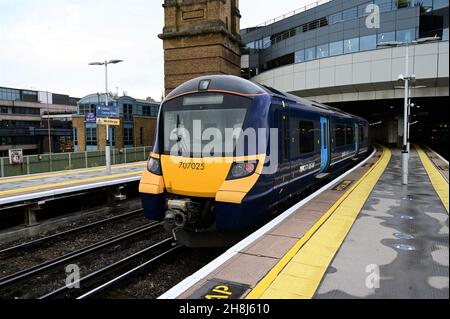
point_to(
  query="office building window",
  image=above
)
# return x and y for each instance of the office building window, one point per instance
(350, 14)
(406, 35)
(323, 51)
(91, 136)
(439, 4)
(266, 42)
(310, 54)
(336, 48)
(75, 136)
(368, 42)
(29, 96)
(18, 140)
(386, 37)
(386, 5)
(406, 3)
(335, 18)
(112, 136)
(128, 112)
(362, 9)
(155, 110)
(146, 110)
(128, 136)
(13, 124)
(87, 108)
(300, 56)
(351, 45)
(9, 94)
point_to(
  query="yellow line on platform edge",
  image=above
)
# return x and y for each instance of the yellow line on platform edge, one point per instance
(65, 173)
(68, 183)
(266, 282)
(439, 183)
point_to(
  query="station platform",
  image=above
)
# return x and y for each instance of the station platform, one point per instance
(364, 235)
(34, 187)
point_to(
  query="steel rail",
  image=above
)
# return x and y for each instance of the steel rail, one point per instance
(97, 276)
(27, 273)
(59, 236)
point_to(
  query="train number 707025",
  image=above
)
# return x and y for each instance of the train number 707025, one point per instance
(192, 166)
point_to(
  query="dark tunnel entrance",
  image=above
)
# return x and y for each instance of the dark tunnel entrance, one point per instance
(429, 120)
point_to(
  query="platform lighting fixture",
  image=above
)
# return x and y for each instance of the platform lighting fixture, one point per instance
(108, 146)
(407, 78)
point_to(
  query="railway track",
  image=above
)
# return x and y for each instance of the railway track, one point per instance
(7, 252)
(105, 278)
(10, 284)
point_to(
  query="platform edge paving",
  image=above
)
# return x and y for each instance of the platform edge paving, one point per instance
(272, 279)
(437, 180)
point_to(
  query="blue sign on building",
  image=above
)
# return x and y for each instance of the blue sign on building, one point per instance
(104, 111)
(90, 118)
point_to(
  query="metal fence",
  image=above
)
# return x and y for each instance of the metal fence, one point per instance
(34, 164)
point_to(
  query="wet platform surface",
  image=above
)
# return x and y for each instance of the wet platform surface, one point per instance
(398, 247)
(366, 236)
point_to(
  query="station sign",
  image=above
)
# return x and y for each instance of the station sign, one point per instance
(106, 111)
(90, 118)
(112, 122)
(15, 156)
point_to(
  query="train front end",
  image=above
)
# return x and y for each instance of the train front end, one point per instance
(197, 181)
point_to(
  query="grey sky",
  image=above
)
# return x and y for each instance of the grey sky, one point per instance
(47, 44)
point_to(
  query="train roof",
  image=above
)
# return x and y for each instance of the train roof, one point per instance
(230, 83)
(225, 83)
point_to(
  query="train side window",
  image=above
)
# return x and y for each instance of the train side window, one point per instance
(307, 137)
(325, 137)
(361, 135)
(350, 135)
(339, 135)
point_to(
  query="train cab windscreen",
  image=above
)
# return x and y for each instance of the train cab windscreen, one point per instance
(199, 125)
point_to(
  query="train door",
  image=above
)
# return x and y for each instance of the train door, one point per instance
(281, 121)
(325, 143)
(357, 141)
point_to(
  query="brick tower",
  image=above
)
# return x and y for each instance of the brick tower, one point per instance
(201, 37)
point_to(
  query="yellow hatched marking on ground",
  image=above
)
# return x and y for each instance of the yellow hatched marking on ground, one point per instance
(68, 183)
(438, 181)
(299, 273)
(65, 173)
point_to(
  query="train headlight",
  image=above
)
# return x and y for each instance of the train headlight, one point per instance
(154, 166)
(241, 170)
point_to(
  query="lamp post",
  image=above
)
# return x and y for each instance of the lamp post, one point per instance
(49, 133)
(407, 78)
(108, 143)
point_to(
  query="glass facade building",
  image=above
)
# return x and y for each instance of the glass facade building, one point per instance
(341, 27)
(23, 122)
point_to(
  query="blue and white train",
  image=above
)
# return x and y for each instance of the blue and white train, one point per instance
(208, 201)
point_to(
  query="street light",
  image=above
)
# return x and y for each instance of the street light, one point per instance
(407, 78)
(107, 147)
(410, 106)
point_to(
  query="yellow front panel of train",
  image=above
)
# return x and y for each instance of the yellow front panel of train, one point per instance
(193, 176)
